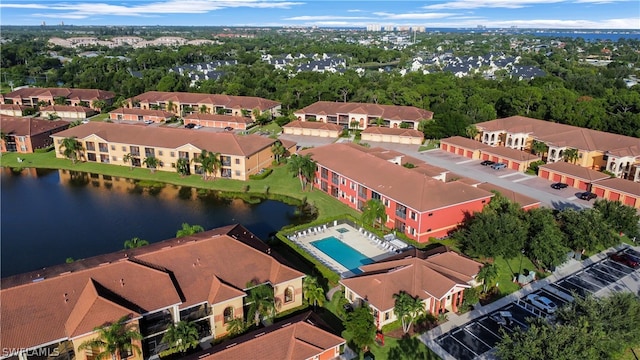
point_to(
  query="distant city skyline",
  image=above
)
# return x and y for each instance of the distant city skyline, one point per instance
(550, 14)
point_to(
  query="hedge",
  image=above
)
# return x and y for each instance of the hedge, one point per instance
(264, 174)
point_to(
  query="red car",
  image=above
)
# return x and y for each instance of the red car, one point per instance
(624, 259)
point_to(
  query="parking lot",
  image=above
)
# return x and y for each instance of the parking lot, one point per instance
(477, 338)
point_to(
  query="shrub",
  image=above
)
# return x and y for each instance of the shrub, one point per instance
(43, 150)
(261, 176)
(533, 167)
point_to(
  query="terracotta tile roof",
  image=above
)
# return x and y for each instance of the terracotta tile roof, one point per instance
(314, 125)
(80, 94)
(620, 185)
(27, 126)
(67, 108)
(393, 131)
(14, 107)
(186, 271)
(228, 101)
(171, 138)
(509, 153)
(433, 276)
(566, 135)
(465, 143)
(137, 111)
(516, 197)
(217, 117)
(300, 338)
(575, 171)
(411, 188)
(389, 112)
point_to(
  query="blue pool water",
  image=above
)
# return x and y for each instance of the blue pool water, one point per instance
(342, 253)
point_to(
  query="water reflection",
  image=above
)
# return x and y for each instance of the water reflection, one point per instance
(50, 215)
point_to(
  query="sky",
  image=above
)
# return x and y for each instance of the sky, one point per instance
(553, 14)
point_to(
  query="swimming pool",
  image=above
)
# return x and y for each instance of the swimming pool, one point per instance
(344, 254)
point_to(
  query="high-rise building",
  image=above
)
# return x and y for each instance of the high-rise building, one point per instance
(374, 27)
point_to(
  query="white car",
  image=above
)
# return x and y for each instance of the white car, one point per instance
(197, 127)
(148, 122)
(542, 303)
(85, 121)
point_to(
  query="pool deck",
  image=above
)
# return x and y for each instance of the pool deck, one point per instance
(361, 240)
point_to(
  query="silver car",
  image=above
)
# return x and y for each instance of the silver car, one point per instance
(542, 303)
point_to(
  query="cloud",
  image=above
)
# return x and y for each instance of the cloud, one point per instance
(413, 16)
(355, 10)
(622, 23)
(325, 17)
(476, 4)
(87, 9)
(598, 1)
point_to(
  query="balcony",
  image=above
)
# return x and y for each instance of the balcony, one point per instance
(401, 214)
(155, 323)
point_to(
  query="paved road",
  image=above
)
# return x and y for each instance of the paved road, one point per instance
(529, 185)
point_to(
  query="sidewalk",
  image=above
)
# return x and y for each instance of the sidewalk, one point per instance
(456, 321)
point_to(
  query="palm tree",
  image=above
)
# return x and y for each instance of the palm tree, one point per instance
(407, 308)
(471, 131)
(152, 163)
(312, 291)
(304, 167)
(71, 148)
(372, 211)
(128, 158)
(182, 336)
(210, 163)
(571, 155)
(204, 109)
(99, 104)
(539, 147)
(135, 242)
(487, 274)
(120, 102)
(171, 107)
(236, 326)
(188, 230)
(261, 302)
(113, 340)
(278, 150)
(182, 166)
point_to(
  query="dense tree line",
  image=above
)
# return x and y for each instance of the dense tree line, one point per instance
(572, 93)
(504, 229)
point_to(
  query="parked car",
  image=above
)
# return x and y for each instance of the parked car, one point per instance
(542, 303)
(587, 195)
(559, 186)
(148, 122)
(85, 121)
(502, 318)
(487, 163)
(197, 127)
(228, 128)
(498, 166)
(624, 259)
(190, 126)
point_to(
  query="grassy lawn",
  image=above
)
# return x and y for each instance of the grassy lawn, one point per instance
(505, 275)
(429, 144)
(629, 355)
(271, 127)
(100, 117)
(280, 182)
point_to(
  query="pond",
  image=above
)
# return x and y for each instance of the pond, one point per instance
(48, 216)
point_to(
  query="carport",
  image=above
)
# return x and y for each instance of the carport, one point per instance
(514, 159)
(574, 175)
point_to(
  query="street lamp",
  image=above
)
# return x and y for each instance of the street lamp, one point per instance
(521, 257)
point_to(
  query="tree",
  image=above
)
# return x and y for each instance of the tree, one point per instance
(114, 340)
(303, 167)
(585, 230)
(539, 148)
(210, 163)
(182, 167)
(99, 104)
(236, 326)
(312, 291)
(261, 302)
(407, 308)
(152, 163)
(203, 109)
(182, 336)
(360, 326)
(128, 158)
(471, 131)
(545, 245)
(135, 242)
(188, 230)
(60, 100)
(373, 211)
(622, 218)
(570, 155)
(278, 150)
(71, 148)
(487, 274)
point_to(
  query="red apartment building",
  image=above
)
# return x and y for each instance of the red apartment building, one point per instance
(26, 134)
(416, 204)
(126, 114)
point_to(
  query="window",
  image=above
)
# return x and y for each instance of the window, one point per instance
(59, 141)
(124, 148)
(134, 150)
(114, 158)
(237, 172)
(387, 315)
(288, 295)
(149, 152)
(324, 173)
(412, 215)
(103, 147)
(91, 146)
(237, 161)
(21, 138)
(160, 153)
(23, 148)
(344, 181)
(172, 154)
(91, 156)
(353, 186)
(375, 195)
(113, 147)
(386, 202)
(228, 314)
(430, 214)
